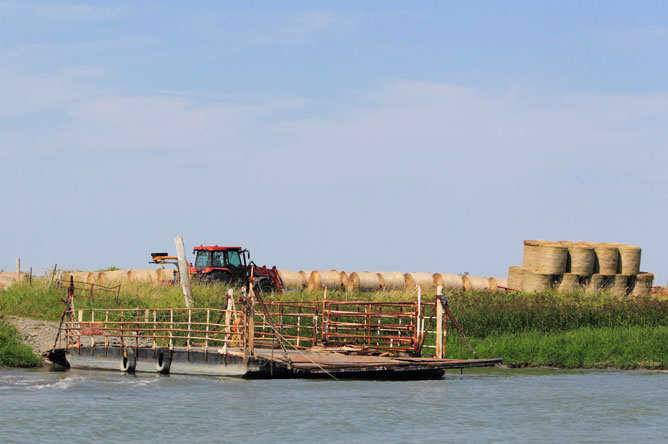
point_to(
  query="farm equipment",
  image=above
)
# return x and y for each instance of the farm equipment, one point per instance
(232, 265)
(166, 259)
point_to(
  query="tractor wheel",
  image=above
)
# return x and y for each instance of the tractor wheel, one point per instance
(222, 277)
(264, 285)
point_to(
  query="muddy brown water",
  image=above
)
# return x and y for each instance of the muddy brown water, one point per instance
(480, 406)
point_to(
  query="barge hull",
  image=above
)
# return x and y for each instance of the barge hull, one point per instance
(265, 364)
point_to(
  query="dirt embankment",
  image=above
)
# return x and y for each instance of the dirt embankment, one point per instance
(39, 335)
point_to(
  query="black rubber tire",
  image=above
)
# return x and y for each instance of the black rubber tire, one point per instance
(163, 360)
(128, 361)
(264, 285)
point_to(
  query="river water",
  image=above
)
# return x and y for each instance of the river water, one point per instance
(483, 405)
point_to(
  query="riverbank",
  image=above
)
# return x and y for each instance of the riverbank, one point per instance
(14, 353)
(586, 347)
(576, 330)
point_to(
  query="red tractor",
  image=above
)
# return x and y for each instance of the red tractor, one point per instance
(232, 265)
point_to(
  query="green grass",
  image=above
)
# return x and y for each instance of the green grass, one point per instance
(12, 352)
(586, 347)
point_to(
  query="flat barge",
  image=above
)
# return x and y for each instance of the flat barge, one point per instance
(323, 339)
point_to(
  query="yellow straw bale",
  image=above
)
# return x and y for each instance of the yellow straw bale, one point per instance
(392, 280)
(424, 280)
(363, 281)
(628, 261)
(495, 283)
(551, 258)
(330, 278)
(116, 276)
(569, 282)
(536, 281)
(581, 258)
(606, 259)
(530, 256)
(515, 277)
(166, 274)
(642, 284)
(290, 279)
(600, 282)
(449, 281)
(143, 276)
(475, 283)
(306, 276)
(620, 284)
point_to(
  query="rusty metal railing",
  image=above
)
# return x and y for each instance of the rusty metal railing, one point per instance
(380, 327)
(86, 289)
(385, 326)
(169, 327)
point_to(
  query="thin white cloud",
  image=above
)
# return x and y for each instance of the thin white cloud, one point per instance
(267, 29)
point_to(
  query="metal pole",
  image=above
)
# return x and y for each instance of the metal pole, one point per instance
(183, 271)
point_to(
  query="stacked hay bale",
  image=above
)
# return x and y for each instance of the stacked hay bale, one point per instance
(568, 266)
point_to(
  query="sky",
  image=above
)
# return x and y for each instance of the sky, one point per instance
(392, 136)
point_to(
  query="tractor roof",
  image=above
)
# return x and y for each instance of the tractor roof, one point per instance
(215, 248)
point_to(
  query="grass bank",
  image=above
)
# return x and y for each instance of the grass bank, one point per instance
(12, 352)
(586, 347)
(541, 329)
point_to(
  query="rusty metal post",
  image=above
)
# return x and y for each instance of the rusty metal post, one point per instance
(439, 323)
(206, 340)
(171, 328)
(251, 326)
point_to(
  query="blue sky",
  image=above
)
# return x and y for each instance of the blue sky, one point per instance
(409, 136)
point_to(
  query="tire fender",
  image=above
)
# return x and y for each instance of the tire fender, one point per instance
(128, 361)
(163, 360)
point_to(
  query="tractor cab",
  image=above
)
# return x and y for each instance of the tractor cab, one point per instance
(220, 263)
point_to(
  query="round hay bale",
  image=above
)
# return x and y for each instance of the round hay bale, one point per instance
(551, 258)
(79, 276)
(536, 281)
(318, 278)
(641, 284)
(628, 261)
(345, 275)
(290, 279)
(143, 276)
(600, 282)
(530, 254)
(581, 258)
(392, 280)
(569, 282)
(363, 281)
(449, 281)
(306, 275)
(166, 274)
(116, 276)
(515, 277)
(498, 282)
(606, 259)
(475, 283)
(424, 280)
(620, 284)
(94, 277)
